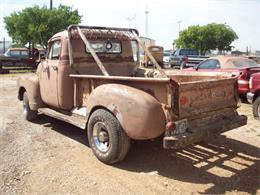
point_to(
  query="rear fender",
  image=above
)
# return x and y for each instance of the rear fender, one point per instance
(30, 84)
(139, 113)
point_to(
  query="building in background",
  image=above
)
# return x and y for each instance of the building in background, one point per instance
(147, 42)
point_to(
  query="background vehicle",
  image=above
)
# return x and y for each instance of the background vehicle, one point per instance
(183, 58)
(19, 58)
(157, 53)
(166, 58)
(238, 66)
(253, 96)
(255, 58)
(90, 79)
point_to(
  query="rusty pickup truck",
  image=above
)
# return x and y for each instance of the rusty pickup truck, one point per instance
(91, 79)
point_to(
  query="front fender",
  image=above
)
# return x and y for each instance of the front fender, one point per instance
(139, 113)
(30, 84)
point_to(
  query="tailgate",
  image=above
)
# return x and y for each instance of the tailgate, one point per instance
(202, 109)
(192, 99)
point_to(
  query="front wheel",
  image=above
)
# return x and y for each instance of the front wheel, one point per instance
(108, 141)
(27, 112)
(256, 107)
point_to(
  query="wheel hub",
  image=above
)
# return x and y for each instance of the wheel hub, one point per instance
(101, 137)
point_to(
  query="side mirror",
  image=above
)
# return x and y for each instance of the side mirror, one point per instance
(43, 57)
(195, 67)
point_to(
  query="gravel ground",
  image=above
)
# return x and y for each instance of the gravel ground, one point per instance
(49, 156)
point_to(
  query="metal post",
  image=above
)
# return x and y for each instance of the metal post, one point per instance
(4, 45)
(146, 22)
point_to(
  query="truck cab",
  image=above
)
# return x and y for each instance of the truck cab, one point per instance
(56, 84)
(253, 96)
(157, 52)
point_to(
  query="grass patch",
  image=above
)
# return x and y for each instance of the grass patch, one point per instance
(16, 73)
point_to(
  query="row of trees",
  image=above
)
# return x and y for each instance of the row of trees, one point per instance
(203, 38)
(35, 25)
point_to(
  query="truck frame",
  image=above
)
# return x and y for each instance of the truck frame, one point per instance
(90, 79)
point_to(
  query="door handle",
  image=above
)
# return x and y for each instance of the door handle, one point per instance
(55, 68)
(45, 68)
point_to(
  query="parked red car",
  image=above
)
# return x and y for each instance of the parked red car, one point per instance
(253, 96)
(237, 66)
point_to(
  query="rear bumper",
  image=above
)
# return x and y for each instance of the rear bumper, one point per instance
(203, 133)
(250, 97)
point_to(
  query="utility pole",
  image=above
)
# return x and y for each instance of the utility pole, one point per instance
(179, 22)
(50, 4)
(146, 21)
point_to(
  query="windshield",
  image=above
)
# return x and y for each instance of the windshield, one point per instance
(242, 63)
(189, 52)
(166, 54)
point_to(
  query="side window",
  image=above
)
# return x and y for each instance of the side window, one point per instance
(15, 53)
(54, 52)
(24, 53)
(209, 64)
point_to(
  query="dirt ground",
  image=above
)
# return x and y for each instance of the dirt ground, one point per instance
(49, 156)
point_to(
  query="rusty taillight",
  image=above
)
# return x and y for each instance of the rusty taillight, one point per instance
(170, 126)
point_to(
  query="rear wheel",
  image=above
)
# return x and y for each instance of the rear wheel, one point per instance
(27, 112)
(182, 66)
(108, 141)
(256, 107)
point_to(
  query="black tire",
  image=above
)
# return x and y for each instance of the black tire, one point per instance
(29, 114)
(182, 66)
(104, 130)
(256, 107)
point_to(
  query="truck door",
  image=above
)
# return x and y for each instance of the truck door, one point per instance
(49, 74)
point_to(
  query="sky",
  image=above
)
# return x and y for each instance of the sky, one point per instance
(165, 17)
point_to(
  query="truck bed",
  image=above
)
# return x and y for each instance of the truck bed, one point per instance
(188, 96)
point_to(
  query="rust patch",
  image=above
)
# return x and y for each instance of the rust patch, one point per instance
(184, 100)
(115, 111)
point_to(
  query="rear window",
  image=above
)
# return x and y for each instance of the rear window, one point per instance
(155, 49)
(111, 47)
(191, 52)
(241, 63)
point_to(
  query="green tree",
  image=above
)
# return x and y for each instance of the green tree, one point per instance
(204, 38)
(35, 25)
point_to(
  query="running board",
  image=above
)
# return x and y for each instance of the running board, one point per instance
(76, 121)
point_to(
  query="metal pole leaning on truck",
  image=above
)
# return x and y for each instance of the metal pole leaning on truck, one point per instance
(93, 53)
(149, 55)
